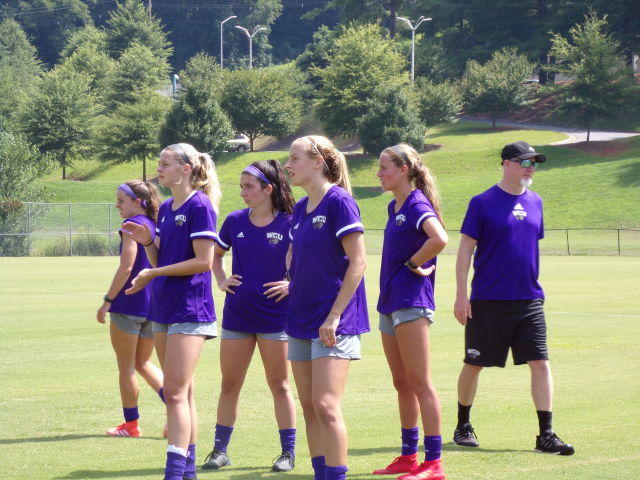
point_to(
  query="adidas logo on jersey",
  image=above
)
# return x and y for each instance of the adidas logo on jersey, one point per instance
(274, 238)
(296, 226)
(518, 212)
(240, 235)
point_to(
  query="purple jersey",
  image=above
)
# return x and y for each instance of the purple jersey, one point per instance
(507, 228)
(138, 303)
(188, 298)
(319, 264)
(403, 236)
(259, 257)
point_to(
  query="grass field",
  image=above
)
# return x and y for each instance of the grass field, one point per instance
(59, 384)
(465, 162)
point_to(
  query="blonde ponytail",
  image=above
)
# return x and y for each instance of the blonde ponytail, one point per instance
(203, 171)
(419, 174)
(335, 163)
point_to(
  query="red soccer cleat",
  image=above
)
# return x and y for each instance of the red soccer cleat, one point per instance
(427, 470)
(127, 429)
(401, 464)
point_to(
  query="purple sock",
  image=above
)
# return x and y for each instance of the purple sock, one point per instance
(410, 439)
(190, 465)
(335, 473)
(130, 414)
(318, 468)
(222, 437)
(288, 440)
(432, 447)
(161, 395)
(175, 466)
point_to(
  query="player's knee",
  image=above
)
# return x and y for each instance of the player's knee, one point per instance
(230, 385)
(402, 385)
(279, 386)
(326, 411)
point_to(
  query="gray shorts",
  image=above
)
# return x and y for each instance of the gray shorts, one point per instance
(209, 329)
(234, 335)
(302, 350)
(132, 324)
(388, 323)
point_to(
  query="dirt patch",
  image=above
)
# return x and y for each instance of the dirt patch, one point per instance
(601, 149)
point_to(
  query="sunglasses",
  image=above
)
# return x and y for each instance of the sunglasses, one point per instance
(525, 163)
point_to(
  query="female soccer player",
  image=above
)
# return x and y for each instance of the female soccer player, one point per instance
(414, 235)
(327, 304)
(182, 311)
(255, 307)
(131, 335)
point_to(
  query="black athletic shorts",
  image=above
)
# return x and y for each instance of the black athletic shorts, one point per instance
(497, 325)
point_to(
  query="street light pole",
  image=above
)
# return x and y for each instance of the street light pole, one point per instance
(413, 40)
(174, 83)
(250, 37)
(222, 41)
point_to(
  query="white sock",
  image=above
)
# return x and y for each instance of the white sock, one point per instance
(178, 450)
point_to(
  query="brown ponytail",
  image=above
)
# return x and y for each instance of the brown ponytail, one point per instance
(147, 193)
(281, 196)
(419, 174)
(335, 163)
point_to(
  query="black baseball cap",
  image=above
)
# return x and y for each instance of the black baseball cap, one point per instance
(521, 151)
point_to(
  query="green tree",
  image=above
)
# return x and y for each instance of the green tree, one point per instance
(130, 23)
(88, 35)
(202, 69)
(58, 118)
(19, 69)
(131, 132)
(87, 59)
(316, 54)
(361, 60)
(263, 101)
(438, 103)
(137, 71)
(497, 87)
(197, 118)
(391, 118)
(21, 166)
(601, 82)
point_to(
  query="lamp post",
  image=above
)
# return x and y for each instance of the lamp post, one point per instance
(413, 40)
(222, 41)
(174, 83)
(250, 37)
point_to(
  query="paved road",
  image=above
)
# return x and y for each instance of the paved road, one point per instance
(574, 135)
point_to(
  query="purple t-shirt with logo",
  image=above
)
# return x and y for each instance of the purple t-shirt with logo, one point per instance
(507, 228)
(138, 303)
(319, 264)
(188, 298)
(259, 255)
(404, 236)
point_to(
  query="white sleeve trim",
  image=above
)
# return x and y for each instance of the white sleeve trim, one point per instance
(428, 214)
(290, 236)
(157, 230)
(222, 244)
(205, 233)
(348, 227)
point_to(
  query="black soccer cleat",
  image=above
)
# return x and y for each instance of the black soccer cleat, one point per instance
(551, 443)
(215, 460)
(465, 436)
(284, 462)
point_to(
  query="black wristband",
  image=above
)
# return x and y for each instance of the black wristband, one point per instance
(107, 299)
(148, 244)
(410, 264)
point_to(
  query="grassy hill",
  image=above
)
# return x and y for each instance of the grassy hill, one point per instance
(574, 182)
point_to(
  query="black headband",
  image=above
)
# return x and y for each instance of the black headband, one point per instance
(176, 147)
(401, 154)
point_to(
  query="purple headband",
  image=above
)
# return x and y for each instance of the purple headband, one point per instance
(256, 173)
(126, 189)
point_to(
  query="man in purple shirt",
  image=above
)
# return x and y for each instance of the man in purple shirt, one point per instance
(503, 225)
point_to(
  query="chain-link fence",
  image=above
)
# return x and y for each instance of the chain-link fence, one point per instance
(61, 229)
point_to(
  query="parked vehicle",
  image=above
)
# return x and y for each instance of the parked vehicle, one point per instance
(239, 143)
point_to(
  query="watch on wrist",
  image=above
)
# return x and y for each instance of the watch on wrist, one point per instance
(107, 299)
(410, 264)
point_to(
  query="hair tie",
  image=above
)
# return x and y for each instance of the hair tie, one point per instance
(256, 172)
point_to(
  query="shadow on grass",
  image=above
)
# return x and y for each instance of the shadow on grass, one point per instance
(630, 175)
(251, 473)
(58, 438)
(367, 192)
(452, 447)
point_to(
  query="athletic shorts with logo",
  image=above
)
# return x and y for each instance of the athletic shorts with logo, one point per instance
(499, 325)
